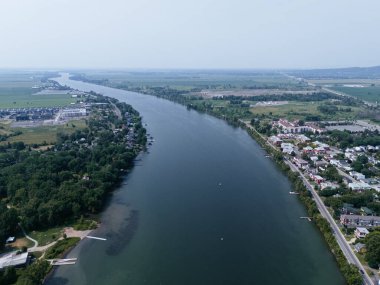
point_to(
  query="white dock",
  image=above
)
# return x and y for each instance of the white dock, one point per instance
(97, 238)
(308, 218)
(65, 261)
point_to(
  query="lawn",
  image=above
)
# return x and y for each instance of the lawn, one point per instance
(47, 236)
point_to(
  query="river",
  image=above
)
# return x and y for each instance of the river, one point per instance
(203, 206)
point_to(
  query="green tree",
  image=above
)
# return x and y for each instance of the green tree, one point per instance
(372, 242)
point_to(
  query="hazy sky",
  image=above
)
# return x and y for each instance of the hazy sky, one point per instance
(189, 33)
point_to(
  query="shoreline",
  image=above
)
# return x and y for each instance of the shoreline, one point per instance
(348, 271)
(345, 268)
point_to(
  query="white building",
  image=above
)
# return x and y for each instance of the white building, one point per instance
(329, 184)
(13, 259)
(361, 232)
(357, 186)
(287, 148)
(357, 175)
(74, 112)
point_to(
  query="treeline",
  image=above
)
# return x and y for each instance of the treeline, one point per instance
(81, 77)
(73, 178)
(315, 96)
(344, 139)
(372, 242)
(349, 271)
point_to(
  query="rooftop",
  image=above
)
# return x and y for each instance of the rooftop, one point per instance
(362, 230)
(13, 259)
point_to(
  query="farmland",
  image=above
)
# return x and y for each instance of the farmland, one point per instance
(190, 80)
(299, 110)
(39, 135)
(237, 92)
(17, 91)
(366, 93)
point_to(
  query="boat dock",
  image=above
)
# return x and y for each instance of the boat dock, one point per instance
(308, 218)
(98, 238)
(65, 261)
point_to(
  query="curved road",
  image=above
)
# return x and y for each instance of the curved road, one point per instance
(34, 247)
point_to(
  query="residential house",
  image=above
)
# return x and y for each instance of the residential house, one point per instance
(361, 232)
(316, 178)
(328, 184)
(366, 211)
(357, 175)
(359, 220)
(359, 186)
(275, 140)
(300, 162)
(349, 209)
(360, 247)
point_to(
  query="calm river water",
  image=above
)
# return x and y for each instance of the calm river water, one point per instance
(204, 206)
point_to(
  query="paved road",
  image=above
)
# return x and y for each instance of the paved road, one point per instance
(343, 244)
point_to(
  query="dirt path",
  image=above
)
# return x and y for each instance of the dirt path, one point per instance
(69, 231)
(29, 238)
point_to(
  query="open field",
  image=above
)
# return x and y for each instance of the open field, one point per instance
(247, 92)
(298, 110)
(43, 134)
(201, 79)
(17, 98)
(16, 91)
(344, 81)
(369, 93)
(47, 236)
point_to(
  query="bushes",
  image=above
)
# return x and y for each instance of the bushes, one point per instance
(34, 274)
(61, 247)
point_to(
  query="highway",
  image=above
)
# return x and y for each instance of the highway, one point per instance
(343, 244)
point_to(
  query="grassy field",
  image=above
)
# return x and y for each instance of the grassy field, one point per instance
(18, 98)
(16, 92)
(42, 134)
(298, 110)
(47, 236)
(369, 93)
(344, 81)
(187, 80)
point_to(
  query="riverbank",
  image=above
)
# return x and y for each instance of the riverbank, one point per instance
(350, 272)
(73, 178)
(202, 181)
